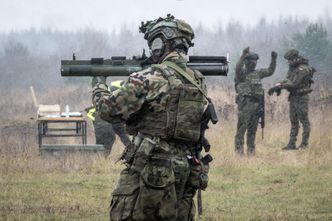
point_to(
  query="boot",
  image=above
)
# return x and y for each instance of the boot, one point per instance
(251, 151)
(289, 146)
(239, 151)
(303, 146)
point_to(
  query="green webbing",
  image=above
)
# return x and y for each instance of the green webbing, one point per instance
(184, 74)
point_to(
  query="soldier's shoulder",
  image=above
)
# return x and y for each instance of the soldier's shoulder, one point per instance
(150, 77)
(197, 73)
(146, 73)
(303, 68)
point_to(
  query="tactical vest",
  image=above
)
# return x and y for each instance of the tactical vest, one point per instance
(181, 118)
(251, 86)
(304, 86)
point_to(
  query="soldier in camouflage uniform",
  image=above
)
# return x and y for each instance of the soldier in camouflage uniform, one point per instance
(105, 131)
(163, 107)
(249, 90)
(298, 83)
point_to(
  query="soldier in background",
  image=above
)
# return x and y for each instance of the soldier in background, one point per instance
(105, 131)
(298, 83)
(163, 107)
(249, 91)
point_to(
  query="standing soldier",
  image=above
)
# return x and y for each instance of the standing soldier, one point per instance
(163, 107)
(105, 131)
(249, 89)
(298, 83)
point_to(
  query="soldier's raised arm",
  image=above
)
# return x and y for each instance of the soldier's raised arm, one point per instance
(239, 65)
(263, 73)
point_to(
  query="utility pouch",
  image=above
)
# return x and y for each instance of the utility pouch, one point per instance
(189, 114)
(157, 196)
(142, 154)
(198, 178)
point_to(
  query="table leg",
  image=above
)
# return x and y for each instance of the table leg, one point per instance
(40, 135)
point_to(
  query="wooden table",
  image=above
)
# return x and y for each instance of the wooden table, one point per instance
(44, 129)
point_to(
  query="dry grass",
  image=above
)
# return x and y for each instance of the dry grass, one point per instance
(273, 185)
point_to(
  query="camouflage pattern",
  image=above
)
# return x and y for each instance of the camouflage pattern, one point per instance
(161, 182)
(171, 29)
(249, 88)
(104, 131)
(298, 112)
(298, 82)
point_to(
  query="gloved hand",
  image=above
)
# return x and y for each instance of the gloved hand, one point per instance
(98, 91)
(245, 51)
(274, 55)
(276, 89)
(98, 80)
(128, 154)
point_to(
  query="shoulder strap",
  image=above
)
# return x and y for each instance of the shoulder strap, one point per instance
(170, 76)
(184, 74)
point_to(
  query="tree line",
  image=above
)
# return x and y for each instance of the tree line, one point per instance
(32, 57)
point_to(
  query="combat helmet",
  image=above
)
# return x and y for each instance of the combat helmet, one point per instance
(292, 53)
(176, 31)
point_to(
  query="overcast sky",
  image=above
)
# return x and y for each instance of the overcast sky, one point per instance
(109, 14)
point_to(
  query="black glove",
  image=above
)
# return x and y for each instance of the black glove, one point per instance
(275, 89)
(128, 154)
(245, 51)
(274, 55)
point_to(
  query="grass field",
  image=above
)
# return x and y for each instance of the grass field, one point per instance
(273, 185)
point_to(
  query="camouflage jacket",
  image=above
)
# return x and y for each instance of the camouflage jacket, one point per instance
(298, 79)
(248, 83)
(145, 90)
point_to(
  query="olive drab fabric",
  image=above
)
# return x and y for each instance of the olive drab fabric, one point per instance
(249, 89)
(170, 28)
(104, 131)
(298, 79)
(181, 118)
(298, 83)
(163, 110)
(291, 53)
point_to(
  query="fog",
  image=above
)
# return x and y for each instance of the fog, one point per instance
(35, 37)
(110, 14)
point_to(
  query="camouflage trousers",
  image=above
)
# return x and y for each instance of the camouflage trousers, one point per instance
(159, 185)
(247, 123)
(105, 133)
(298, 112)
